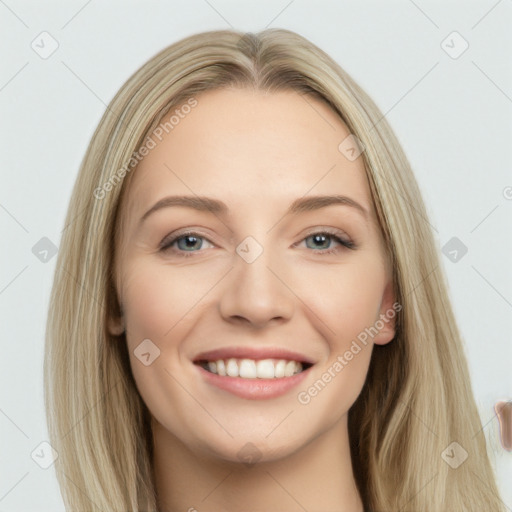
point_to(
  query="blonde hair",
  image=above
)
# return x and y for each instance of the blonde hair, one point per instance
(417, 398)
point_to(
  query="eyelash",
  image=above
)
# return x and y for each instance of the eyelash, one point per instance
(165, 245)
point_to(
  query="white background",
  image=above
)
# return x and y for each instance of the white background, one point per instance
(453, 117)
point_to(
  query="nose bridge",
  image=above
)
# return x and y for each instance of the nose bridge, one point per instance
(253, 262)
(255, 292)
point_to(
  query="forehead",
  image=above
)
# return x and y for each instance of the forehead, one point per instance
(248, 146)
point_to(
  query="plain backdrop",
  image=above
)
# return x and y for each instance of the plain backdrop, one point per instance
(448, 97)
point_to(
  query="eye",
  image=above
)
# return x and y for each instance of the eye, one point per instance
(190, 242)
(323, 237)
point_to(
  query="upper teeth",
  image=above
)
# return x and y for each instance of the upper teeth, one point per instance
(251, 369)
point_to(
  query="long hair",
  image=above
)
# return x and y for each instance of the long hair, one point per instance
(417, 398)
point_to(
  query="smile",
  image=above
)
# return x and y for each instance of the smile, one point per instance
(252, 372)
(254, 369)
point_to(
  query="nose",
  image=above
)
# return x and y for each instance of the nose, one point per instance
(257, 292)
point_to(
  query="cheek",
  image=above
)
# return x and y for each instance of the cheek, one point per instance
(346, 298)
(157, 300)
(348, 307)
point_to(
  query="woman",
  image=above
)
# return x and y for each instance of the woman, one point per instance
(248, 368)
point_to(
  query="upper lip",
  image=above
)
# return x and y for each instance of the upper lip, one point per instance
(252, 353)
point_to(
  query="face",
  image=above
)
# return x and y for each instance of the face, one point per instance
(260, 282)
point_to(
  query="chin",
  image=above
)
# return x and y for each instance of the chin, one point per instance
(250, 448)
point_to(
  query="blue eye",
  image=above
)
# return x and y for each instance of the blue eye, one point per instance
(190, 243)
(322, 237)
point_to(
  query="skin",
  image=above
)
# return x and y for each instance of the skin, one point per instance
(257, 152)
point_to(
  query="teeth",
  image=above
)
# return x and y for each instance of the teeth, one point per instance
(280, 366)
(289, 369)
(265, 369)
(221, 368)
(232, 368)
(247, 369)
(251, 369)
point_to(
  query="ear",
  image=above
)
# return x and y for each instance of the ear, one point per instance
(115, 325)
(386, 321)
(115, 319)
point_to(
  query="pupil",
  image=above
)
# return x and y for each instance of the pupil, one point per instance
(319, 238)
(190, 241)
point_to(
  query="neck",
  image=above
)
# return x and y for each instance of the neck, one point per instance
(318, 477)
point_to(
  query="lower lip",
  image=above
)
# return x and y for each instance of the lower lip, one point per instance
(254, 389)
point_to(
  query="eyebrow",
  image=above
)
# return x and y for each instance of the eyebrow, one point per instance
(303, 204)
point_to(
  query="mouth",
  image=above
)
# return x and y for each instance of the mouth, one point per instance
(253, 373)
(253, 368)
